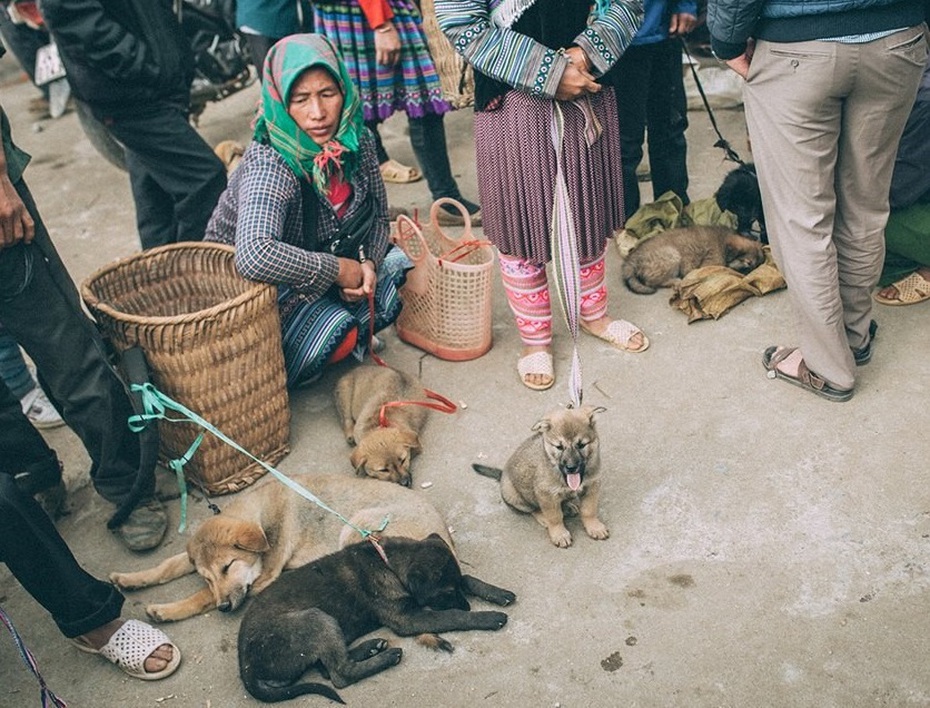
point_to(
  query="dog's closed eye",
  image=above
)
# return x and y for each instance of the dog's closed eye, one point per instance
(226, 567)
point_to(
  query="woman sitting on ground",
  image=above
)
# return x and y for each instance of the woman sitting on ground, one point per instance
(307, 210)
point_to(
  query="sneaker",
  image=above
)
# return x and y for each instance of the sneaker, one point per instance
(145, 527)
(39, 410)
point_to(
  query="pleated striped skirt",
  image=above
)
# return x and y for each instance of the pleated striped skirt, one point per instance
(516, 168)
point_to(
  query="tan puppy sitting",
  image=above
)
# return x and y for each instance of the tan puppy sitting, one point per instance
(270, 528)
(382, 452)
(554, 471)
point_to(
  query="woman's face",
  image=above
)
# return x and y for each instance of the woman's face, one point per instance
(315, 104)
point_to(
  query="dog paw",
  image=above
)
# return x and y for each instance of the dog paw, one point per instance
(560, 536)
(367, 649)
(490, 620)
(395, 654)
(597, 530)
(158, 613)
(122, 581)
(506, 598)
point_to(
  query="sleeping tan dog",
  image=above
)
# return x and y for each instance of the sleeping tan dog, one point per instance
(382, 452)
(271, 528)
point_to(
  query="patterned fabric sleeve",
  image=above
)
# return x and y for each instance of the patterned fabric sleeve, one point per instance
(523, 63)
(501, 54)
(267, 194)
(605, 39)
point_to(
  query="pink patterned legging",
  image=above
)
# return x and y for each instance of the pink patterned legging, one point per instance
(527, 288)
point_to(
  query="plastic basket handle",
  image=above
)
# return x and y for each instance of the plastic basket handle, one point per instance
(434, 218)
(408, 231)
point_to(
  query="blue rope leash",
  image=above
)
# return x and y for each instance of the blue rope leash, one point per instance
(156, 406)
(48, 696)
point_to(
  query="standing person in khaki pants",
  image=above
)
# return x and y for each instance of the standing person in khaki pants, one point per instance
(828, 90)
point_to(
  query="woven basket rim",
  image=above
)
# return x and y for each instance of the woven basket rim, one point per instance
(254, 288)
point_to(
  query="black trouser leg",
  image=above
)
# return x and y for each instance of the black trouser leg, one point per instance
(372, 125)
(176, 178)
(24, 454)
(667, 121)
(631, 78)
(41, 308)
(428, 138)
(41, 561)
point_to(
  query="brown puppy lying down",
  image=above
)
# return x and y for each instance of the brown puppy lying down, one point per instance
(308, 617)
(271, 528)
(661, 261)
(381, 452)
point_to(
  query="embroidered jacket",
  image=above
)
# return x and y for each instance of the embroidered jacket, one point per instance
(480, 30)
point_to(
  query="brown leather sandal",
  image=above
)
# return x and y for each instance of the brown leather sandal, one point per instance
(805, 379)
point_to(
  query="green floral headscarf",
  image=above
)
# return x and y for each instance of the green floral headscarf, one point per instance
(286, 61)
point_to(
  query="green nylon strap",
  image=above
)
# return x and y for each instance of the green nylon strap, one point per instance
(156, 405)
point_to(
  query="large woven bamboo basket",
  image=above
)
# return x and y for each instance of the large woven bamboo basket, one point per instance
(455, 75)
(212, 340)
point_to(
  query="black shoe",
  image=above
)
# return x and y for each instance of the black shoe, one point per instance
(864, 355)
(449, 214)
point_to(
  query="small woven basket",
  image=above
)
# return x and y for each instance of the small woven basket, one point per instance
(447, 296)
(455, 75)
(212, 340)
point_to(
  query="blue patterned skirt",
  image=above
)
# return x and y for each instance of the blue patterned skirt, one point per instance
(412, 85)
(312, 331)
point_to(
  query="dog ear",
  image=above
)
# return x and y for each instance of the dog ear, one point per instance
(591, 411)
(542, 425)
(252, 538)
(358, 460)
(412, 441)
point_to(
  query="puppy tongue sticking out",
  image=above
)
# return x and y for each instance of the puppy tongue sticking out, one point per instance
(573, 481)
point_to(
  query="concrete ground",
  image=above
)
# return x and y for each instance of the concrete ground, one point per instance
(768, 548)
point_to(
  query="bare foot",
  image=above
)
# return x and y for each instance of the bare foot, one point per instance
(890, 292)
(157, 661)
(537, 380)
(791, 363)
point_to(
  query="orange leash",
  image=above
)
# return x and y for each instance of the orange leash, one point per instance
(444, 405)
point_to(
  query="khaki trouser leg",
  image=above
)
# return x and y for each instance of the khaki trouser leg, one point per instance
(825, 119)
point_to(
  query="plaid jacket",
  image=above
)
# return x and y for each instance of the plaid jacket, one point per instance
(276, 234)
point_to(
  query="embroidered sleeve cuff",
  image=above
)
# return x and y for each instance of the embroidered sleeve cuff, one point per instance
(550, 74)
(602, 57)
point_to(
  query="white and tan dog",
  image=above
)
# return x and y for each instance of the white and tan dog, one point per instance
(271, 528)
(383, 452)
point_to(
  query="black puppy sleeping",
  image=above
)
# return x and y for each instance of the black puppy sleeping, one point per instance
(310, 615)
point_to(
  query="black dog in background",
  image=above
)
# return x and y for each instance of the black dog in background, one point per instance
(739, 194)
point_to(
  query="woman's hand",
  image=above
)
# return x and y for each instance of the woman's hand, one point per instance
(360, 284)
(577, 79)
(387, 45)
